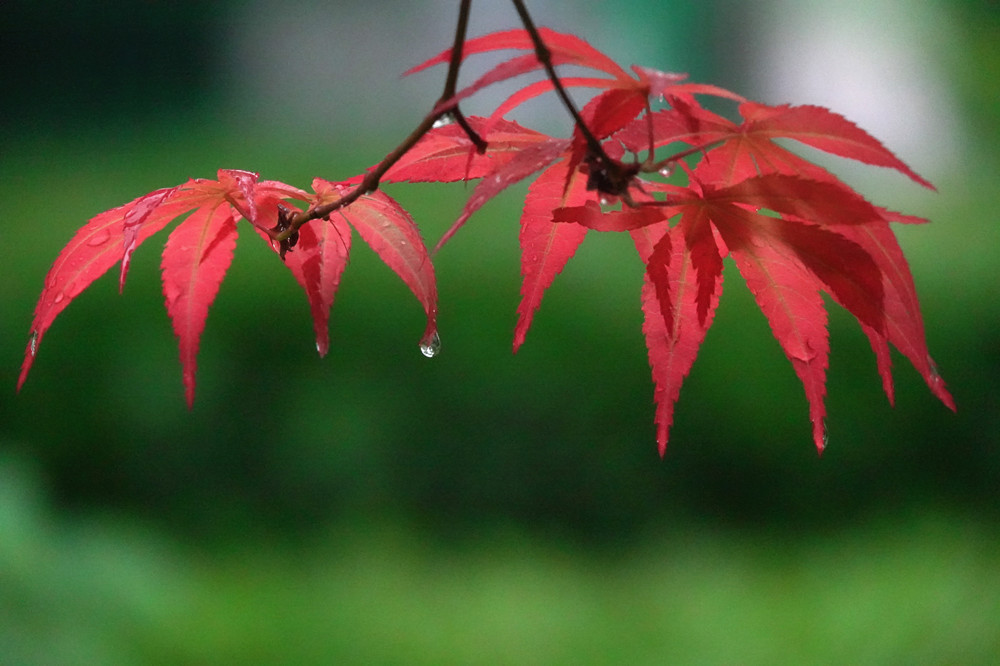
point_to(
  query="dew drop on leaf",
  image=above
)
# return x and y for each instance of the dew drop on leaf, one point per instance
(430, 346)
(59, 297)
(33, 343)
(935, 373)
(667, 170)
(99, 238)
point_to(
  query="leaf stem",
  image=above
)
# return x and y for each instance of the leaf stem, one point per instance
(607, 175)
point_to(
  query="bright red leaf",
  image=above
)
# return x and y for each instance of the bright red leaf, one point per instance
(195, 259)
(545, 245)
(673, 327)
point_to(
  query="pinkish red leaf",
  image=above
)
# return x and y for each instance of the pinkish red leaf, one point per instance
(658, 274)
(195, 260)
(846, 270)
(526, 162)
(904, 326)
(687, 121)
(674, 331)
(239, 187)
(446, 154)
(94, 249)
(537, 88)
(823, 129)
(317, 261)
(564, 47)
(607, 113)
(788, 295)
(613, 109)
(824, 203)
(391, 233)
(704, 256)
(147, 209)
(545, 245)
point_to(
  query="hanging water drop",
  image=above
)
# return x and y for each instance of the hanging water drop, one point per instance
(442, 122)
(667, 170)
(430, 346)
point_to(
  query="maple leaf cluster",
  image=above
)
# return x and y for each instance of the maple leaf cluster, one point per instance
(793, 229)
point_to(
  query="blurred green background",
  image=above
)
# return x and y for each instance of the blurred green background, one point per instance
(378, 507)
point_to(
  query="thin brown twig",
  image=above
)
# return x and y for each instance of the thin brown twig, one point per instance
(607, 175)
(287, 229)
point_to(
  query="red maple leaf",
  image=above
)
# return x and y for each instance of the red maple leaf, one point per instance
(199, 250)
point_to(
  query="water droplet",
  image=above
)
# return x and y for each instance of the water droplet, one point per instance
(605, 201)
(804, 352)
(59, 298)
(668, 170)
(99, 238)
(826, 436)
(935, 373)
(442, 122)
(431, 346)
(33, 343)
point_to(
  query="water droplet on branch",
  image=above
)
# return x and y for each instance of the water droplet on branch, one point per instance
(430, 346)
(442, 121)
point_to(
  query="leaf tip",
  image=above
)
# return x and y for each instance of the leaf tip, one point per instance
(189, 389)
(821, 435)
(936, 384)
(29, 358)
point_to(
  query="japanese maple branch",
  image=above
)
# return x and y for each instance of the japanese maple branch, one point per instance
(611, 177)
(287, 228)
(545, 58)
